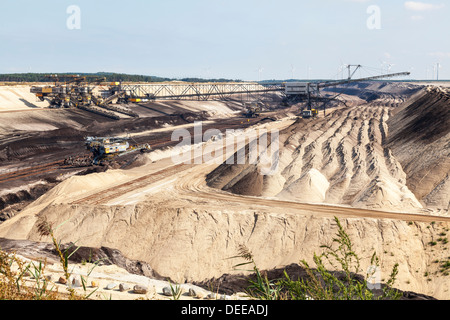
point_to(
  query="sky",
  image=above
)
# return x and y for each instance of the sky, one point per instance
(245, 39)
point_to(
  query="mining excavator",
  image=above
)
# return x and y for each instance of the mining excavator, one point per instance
(71, 91)
(253, 109)
(312, 113)
(106, 149)
(310, 92)
(78, 92)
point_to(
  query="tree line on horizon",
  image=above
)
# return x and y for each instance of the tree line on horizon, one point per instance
(109, 77)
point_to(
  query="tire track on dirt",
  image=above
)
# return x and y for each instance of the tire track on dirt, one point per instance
(192, 185)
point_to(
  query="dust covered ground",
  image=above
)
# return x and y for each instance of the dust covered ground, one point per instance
(380, 155)
(379, 163)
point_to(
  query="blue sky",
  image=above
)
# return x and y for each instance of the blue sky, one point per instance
(246, 39)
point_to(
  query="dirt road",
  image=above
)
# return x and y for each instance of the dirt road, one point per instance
(189, 180)
(168, 214)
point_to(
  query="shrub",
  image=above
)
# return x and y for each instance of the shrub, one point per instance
(13, 284)
(320, 283)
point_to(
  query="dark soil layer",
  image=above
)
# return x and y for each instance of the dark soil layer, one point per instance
(229, 284)
(226, 284)
(105, 256)
(35, 148)
(69, 141)
(419, 139)
(426, 118)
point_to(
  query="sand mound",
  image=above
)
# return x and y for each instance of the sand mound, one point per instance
(313, 186)
(420, 140)
(188, 234)
(15, 98)
(343, 159)
(192, 242)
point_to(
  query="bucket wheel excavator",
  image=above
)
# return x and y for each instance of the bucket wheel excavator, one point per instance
(310, 92)
(106, 149)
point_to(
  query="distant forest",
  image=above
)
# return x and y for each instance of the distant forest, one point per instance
(109, 77)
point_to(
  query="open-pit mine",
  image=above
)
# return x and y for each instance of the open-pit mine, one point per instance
(378, 159)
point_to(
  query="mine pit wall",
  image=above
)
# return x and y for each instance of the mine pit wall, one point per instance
(19, 97)
(187, 244)
(419, 137)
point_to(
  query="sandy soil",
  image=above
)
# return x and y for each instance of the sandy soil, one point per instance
(340, 159)
(420, 138)
(19, 97)
(107, 274)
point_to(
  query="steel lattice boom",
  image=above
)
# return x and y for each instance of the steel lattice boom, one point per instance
(197, 91)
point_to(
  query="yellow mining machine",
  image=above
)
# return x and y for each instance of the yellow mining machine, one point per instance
(306, 114)
(253, 109)
(78, 92)
(70, 91)
(310, 92)
(105, 149)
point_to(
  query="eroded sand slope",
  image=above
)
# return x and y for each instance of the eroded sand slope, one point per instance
(192, 242)
(420, 140)
(339, 159)
(187, 231)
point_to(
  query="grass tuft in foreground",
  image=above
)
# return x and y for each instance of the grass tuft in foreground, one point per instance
(20, 280)
(320, 283)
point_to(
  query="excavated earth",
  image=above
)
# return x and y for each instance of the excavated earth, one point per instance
(378, 163)
(378, 156)
(32, 134)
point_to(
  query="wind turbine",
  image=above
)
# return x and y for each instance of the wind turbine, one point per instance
(207, 71)
(341, 69)
(292, 71)
(308, 70)
(260, 70)
(386, 65)
(438, 66)
(389, 66)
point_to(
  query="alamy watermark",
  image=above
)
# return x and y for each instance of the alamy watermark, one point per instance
(374, 20)
(373, 277)
(252, 146)
(73, 22)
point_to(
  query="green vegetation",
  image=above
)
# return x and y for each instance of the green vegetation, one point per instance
(27, 281)
(320, 283)
(175, 291)
(13, 284)
(444, 266)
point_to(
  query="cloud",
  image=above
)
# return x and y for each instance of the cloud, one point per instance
(417, 18)
(421, 6)
(440, 54)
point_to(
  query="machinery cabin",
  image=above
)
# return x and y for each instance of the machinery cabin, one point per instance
(309, 113)
(106, 147)
(253, 109)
